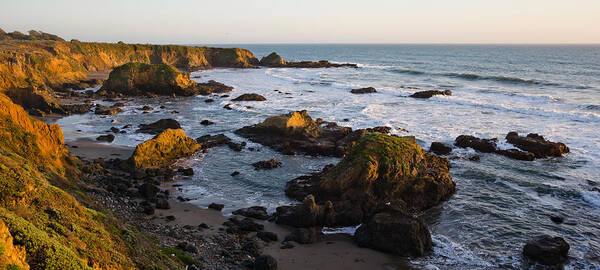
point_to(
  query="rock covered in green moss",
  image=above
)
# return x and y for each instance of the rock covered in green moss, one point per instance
(134, 79)
(164, 149)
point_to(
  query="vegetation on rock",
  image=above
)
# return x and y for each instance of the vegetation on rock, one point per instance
(164, 149)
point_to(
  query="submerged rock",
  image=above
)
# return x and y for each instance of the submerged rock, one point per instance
(547, 250)
(164, 149)
(135, 79)
(267, 164)
(366, 90)
(159, 126)
(395, 232)
(250, 97)
(537, 145)
(431, 93)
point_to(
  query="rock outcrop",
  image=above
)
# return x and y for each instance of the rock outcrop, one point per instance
(366, 90)
(158, 126)
(547, 250)
(537, 145)
(134, 79)
(164, 149)
(250, 97)
(11, 256)
(38, 102)
(431, 93)
(275, 60)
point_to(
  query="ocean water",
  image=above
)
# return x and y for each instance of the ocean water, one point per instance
(499, 203)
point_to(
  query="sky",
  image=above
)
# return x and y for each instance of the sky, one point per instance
(309, 21)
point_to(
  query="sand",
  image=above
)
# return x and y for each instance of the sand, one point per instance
(89, 149)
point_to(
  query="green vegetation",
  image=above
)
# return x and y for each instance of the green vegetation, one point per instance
(180, 254)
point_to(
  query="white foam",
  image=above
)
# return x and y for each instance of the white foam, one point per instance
(340, 230)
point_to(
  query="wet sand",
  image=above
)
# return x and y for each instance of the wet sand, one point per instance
(89, 149)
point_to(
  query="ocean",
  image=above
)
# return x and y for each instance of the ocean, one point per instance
(499, 204)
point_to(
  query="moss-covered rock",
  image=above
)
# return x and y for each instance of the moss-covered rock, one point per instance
(164, 149)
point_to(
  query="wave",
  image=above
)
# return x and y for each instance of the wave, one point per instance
(407, 71)
(504, 79)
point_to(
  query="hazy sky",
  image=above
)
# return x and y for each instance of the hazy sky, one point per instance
(309, 21)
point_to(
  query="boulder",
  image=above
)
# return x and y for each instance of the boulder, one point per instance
(481, 145)
(440, 149)
(105, 110)
(209, 141)
(395, 232)
(158, 126)
(537, 145)
(257, 212)
(250, 97)
(164, 149)
(206, 122)
(431, 93)
(134, 79)
(272, 60)
(380, 170)
(244, 225)
(366, 90)
(106, 138)
(306, 214)
(266, 164)
(216, 206)
(547, 250)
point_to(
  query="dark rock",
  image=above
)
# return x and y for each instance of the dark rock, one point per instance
(216, 206)
(481, 145)
(267, 236)
(206, 122)
(396, 233)
(547, 250)
(305, 235)
(162, 204)
(146, 108)
(557, 219)
(274, 60)
(474, 158)
(307, 214)
(105, 110)
(187, 171)
(236, 146)
(439, 148)
(170, 218)
(158, 126)
(250, 97)
(366, 90)
(187, 247)
(251, 247)
(203, 226)
(114, 130)
(246, 225)
(77, 108)
(106, 138)
(147, 208)
(257, 212)
(431, 93)
(537, 145)
(516, 154)
(235, 173)
(209, 141)
(266, 164)
(287, 245)
(248, 264)
(209, 100)
(148, 191)
(265, 262)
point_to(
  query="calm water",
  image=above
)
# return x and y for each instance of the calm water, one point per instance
(499, 204)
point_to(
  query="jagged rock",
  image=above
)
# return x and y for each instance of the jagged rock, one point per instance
(106, 138)
(379, 170)
(547, 250)
(250, 97)
(159, 126)
(209, 141)
(266, 164)
(439, 148)
(366, 90)
(216, 206)
(395, 232)
(265, 262)
(431, 93)
(257, 212)
(105, 110)
(305, 235)
(537, 145)
(135, 79)
(164, 149)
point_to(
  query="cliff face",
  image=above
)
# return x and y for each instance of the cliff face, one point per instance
(52, 63)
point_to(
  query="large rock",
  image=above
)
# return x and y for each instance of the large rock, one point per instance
(431, 93)
(275, 60)
(395, 232)
(250, 97)
(159, 126)
(537, 145)
(547, 250)
(134, 79)
(380, 170)
(272, 60)
(298, 132)
(37, 101)
(164, 149)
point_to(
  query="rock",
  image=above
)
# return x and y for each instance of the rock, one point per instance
(114, 130)
(250, 97)
(246, 225)
(431, 93)
(216, 206)
(265, 262)
(236, 146)
(439, 148)
(206, 122)
(104, 110)
(481, 145)
(147, 208)
(272, 60)
(106, 138)
(170, 218)
(516, 154)
(187, 247)
(158, 126)
(257, 212)
(146, 108)
(395, 232)
(235, 173)
(77, 108)
(306, 214)
(556, 219)
(537, 145)
(547, 250)
(136, 79)
(187, 171)
(305, 235)
(209, 100)
(474, 158)
(209, 141)
(266, 164)
(35, 99)
(162, 204)
(148, 191)
(380, 170)
(366, 90)
(267, 236)
(119, 104)
(164, 149)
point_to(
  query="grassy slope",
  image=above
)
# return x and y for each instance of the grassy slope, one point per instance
(43, 208)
